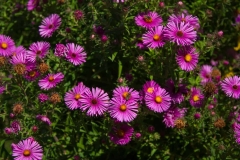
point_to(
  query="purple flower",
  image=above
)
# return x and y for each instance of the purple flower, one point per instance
(154, 37)
(122, 110)
(196, 97)
(16, 50)
(121, 134)
(8, 131)
(49, 25)
(180, 33)
(197, 115)
(32, 4)
(236, 128)
(148, 20)
(193, 21)
(2, 89)
(50, 81)
(75, 54)
(73, 97)
(171, 115)
(187, 58)
(78, 14)
(32, 74)
(42, 97)
(205, 73)
(126, 93)
(6, 45)
(60, 50)
(231, 86)
(158, 101)
(44, 119)
(27, 149)
(37, 50)
(15, 126)
(95, 102)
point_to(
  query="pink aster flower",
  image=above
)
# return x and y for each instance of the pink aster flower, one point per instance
(95, 102)
(196, 97)
(150, 86)
(180, 33)
(20, 58)
(119, 1)
(176, 92)
(193, 21)
(158, 101)
(8, 131)
(60, 50)
(187, 58)
(49, 25)
(154, 37)
(15, 126)
(50, 81)
(6, 45)
(2, 89)
(42, 97)
(32, 4)
(126, 93)
(75, 54)
(171, 115)
(16, 50)
(37, 50)
(32, 74)
(27, 149)
(148, 20)
(72, 98)
(44, 119)
(205, 73)
(231, 86)
(121, 134)
(122, 110)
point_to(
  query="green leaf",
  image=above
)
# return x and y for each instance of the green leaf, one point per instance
(119, 68)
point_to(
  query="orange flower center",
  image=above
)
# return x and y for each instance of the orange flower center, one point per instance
(4, 45)
(126, 95)
(196, 98)
(158, 99)
(120, 133)
(147, 19)
(26, 152)
(77, 96)
(179, 33)
(51, 78)
(156, 37)
(32, 73)
(150, 90)
(188, 57)
(123, 107)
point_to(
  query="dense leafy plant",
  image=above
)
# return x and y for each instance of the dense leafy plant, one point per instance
(140, 79)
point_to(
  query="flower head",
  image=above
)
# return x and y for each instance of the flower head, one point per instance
(196, 97)
(44, 119)
(6, 45)
(148, 20)
(205, 73)
(159, 100)
(50, 81)
(171, 115)
(49, 25)
(2, 89)
(126, 93)
(42, 97)
(32, 74)
(60, 50)
(154, 37)
(72, 97)
(231, 86)
(27, 149)
(75, 54)
(180, 33)
(15, 126)
(123, 110)
(193, 21)
(187, 58)
(32, 4)
(121, 134)
(95, 102)
(37, 50)
(16, 50)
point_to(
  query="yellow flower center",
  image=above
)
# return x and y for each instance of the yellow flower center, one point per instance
(32, 73)
(150, 90)
(158, 99)
(147, 19)
(188, 57)
(126, 95)
(4, 45)
(26, 152)
(196, 98)
(123, 107)
(51, 78)
(156, 37)
(120, 133)
(77, 96)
